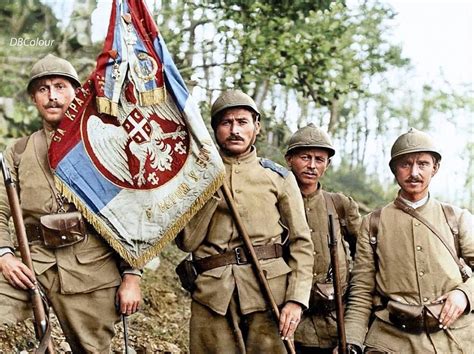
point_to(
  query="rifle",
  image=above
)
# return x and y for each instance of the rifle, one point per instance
(332, 242)
(255, 262)
(42, 326)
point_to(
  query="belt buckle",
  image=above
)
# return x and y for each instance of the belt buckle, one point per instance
(239, 256)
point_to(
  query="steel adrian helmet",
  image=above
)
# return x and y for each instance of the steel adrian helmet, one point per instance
(232, 99)
(51, 65)
(311, 136)
(413, 141)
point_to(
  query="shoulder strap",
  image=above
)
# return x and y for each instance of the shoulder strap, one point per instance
(409, 210)
(374, 220)
(338, 204)
(341, 212)
(18, 149)
(452, 221)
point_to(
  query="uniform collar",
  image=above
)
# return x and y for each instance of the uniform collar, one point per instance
(251, 156)
(415, 205)
(318, 191)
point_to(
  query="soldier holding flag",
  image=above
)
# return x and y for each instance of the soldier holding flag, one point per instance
(229, 312)
(80, 274)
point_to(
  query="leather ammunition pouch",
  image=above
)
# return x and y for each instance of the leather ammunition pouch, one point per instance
(322, 299)
(187, 273)
(415, 318)
(62, 229)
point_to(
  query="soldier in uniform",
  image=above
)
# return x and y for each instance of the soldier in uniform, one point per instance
(407, 265)
(229, 312)
(82, 280)
(309, 154)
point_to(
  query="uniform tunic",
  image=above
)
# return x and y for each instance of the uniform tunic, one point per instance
(414, 268)
(318, 330)
(80, 280)
(270, 206)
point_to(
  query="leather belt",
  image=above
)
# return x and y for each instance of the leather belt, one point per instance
(237, 256)
(33, 232)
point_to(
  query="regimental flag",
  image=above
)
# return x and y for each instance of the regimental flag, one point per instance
(132, 152)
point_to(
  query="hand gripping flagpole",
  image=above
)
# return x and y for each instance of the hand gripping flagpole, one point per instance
(255, 262)
(42, 325)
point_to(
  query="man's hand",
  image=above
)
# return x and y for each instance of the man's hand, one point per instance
(129, 295)
(16, 272)
(454, 306)
(290, 317)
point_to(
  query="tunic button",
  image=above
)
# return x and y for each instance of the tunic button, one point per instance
(417, 224)
(418, 248)
(314, 253)
(308, 209)
(311, 230)
(236, 171)
(238, 191)
(422, 273)
(63, 237)
(425, 299)
(314, 275)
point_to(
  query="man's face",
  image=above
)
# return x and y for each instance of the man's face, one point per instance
(308, 166)
(52, 96)
(236, 131)
(413, 173)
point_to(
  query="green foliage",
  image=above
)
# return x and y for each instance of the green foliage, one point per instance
(302, 61)
(366, 189)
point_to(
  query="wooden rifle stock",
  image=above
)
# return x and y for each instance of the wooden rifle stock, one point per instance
(255, 262)
(336, 278)
(41, 323)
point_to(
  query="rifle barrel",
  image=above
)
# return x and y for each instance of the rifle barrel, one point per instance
(17, 216)
(255, 262)
(342, 347)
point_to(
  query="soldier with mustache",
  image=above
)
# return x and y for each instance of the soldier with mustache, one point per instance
(410, 289)
(83, 278)
(229, 312)
(308, 155)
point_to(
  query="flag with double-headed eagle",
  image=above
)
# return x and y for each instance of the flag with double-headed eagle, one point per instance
(132, 151)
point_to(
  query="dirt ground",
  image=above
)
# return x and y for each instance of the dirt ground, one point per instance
(161, 326)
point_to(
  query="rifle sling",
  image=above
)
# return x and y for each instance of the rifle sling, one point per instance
(409, 210)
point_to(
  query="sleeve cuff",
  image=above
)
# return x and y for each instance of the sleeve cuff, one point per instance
(6, 250)
(134, 271)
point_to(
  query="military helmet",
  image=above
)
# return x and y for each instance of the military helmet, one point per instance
(311, 136)
(51, 65)
(232, 99)
(413, 141)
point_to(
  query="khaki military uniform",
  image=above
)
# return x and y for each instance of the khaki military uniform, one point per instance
(319, 329)
(270, 206)
(413, 268)
(80, 280)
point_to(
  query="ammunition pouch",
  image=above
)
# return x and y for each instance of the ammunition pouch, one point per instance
(62, 229)
(187, 274)
(415, 318)
(322, 299)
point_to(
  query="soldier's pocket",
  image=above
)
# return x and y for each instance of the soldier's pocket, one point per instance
(96, 268)
(277, 271)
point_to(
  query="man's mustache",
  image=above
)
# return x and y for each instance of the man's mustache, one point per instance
(414, 180)
(233, 137)
(53, 105)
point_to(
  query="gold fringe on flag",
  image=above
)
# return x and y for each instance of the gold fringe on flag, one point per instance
(154, 250)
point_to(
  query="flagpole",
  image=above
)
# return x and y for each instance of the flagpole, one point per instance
(255, 262)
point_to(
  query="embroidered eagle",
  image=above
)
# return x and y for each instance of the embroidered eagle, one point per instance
(142, 134)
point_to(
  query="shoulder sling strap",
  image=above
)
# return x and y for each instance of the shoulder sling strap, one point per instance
(409, 210)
